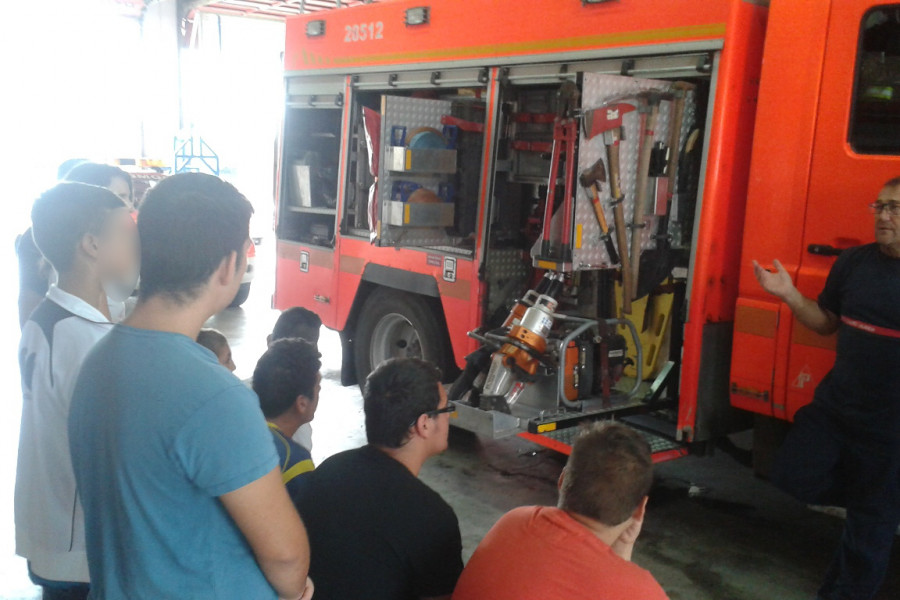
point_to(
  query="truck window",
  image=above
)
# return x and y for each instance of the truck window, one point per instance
(875, 118)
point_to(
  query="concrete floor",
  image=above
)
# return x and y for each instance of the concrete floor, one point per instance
(713, 531)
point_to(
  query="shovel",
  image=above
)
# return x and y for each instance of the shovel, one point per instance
(656, 264)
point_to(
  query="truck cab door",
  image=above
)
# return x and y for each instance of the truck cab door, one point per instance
(856, 147)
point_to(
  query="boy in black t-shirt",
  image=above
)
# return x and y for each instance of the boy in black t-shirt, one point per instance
(376, 531)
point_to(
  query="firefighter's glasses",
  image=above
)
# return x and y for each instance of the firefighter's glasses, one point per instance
(892, 208)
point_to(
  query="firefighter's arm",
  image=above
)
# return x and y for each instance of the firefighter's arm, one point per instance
(265, 515)
(805, 310)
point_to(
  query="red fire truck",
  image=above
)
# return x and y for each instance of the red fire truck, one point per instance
(571, 193)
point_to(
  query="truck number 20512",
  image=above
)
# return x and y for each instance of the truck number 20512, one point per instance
(364, 31)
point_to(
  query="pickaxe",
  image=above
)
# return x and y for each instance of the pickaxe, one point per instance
(590, 180)
(608, 121)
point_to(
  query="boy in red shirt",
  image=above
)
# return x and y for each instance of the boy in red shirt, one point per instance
(581, 550)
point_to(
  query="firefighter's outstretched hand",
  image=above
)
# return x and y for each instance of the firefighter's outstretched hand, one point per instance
(778, 283)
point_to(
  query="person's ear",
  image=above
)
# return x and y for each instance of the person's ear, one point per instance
(559, 482)
(227, 270)
(90, 245)
(641, 510)
(240, 265)
(269, 340)
(421, 427)
(301, 403)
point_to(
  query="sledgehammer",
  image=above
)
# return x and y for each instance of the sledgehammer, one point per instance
(590, 180)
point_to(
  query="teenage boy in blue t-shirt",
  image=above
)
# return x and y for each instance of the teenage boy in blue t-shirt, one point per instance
(287, 381)
(175, 465)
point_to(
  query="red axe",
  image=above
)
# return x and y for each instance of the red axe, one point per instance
(608, 121)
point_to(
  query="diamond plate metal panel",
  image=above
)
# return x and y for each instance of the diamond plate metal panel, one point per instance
(410, 113)
(598, 90)
(506, 272)
(657, 442)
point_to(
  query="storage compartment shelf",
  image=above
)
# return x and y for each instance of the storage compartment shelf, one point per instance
(312, 210)
(410, 214)
(407, 160)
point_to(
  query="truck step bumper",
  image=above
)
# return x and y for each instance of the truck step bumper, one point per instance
(662, 448)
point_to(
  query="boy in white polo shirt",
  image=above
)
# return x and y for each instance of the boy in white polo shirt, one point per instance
(89, 237)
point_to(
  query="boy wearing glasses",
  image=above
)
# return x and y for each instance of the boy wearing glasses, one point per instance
(376, 531)
(844, 447)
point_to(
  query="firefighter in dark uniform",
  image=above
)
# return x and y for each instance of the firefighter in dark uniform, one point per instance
(844, 447)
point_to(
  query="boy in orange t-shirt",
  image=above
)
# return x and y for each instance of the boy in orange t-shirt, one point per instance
(581, 550)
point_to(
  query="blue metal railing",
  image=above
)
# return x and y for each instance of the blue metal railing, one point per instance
(193, 155)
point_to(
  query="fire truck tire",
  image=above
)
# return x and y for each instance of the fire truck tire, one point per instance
(241, 296)
(395, 324)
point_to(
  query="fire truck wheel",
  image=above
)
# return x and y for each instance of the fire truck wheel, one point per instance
(241, 296)
(398, 325)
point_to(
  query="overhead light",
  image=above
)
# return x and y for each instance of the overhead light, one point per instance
(294, 10)
(315, 28)
(416, 16)
(243, 3)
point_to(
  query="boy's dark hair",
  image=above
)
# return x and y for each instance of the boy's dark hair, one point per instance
(212, 339)
(286, 370)
(98, 174)
(892, 183)
(189, 223)
(396, 393)
(64, 214)
(297, 322)
(67, 165)
(608, 474)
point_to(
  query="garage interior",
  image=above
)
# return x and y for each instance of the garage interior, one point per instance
(128, 79)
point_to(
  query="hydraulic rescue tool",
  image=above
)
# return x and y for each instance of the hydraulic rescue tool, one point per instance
(545, 361)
